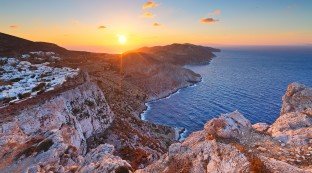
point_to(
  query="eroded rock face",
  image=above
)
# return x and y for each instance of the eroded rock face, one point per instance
(233, 147)
(101, 159)
(297, 98)
(202, 152)
(294, 126)
(227, 125)
(52, 135)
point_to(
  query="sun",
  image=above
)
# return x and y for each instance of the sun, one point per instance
(122, 39)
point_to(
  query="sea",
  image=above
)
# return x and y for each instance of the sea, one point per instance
(251, 80)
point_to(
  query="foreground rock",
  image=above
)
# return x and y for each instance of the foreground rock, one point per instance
(230, 143)
(294, 126)
(52, 136)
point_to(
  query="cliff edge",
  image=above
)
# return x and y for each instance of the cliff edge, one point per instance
(52, 135)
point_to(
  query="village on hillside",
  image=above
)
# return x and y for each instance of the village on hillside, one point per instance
(30, 74)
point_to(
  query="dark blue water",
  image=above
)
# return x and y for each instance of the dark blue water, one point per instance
(251, 80)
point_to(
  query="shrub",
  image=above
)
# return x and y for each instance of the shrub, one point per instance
(122, 169)
(41, 91)
(16, 79)
(89, 103)
(33, 68)
(3, 62)
(39, 87)
(76, 111)
(22, 96)
(8, 99)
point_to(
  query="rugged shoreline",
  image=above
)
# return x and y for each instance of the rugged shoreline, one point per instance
(179, 130)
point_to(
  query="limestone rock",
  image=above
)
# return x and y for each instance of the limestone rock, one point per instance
(101, 159)
(294, 125)
(297, 98)
(227, 125)
(53, 134)
(198, 155)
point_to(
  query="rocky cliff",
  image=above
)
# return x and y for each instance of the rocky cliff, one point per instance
(230, 143)
(52, 135)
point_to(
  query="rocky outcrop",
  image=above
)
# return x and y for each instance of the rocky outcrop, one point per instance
(230, 143)
(294, 126)
(102, 159)
(296, 99)
(52, 135)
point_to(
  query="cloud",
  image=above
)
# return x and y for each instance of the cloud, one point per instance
(148, 15)
(156, 24)
(208, 20)
(149, 4)
(13, 26)
(101, 27)
(216, 12)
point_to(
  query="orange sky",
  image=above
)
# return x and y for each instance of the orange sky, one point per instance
(79, 25)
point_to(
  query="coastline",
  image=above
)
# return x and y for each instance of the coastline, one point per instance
(180, 131)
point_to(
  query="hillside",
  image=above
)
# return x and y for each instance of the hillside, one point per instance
(11, 45)
(180, 54)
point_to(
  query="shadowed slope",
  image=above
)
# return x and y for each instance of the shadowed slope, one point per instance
(11, 45)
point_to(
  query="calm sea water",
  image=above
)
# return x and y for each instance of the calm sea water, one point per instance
(251, 80)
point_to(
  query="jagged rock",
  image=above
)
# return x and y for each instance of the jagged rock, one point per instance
(196, 154)
(280, 167)
(53, 133)
(294, 125)
(297, 98)
(227, 125)
(199, 153)
(101, 159)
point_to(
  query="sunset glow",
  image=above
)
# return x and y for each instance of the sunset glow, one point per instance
(82, 25)
(122, 39)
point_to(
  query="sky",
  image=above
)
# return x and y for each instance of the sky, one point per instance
(97, 25)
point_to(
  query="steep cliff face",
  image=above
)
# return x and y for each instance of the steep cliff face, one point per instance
(230, 143)
(52, 135)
